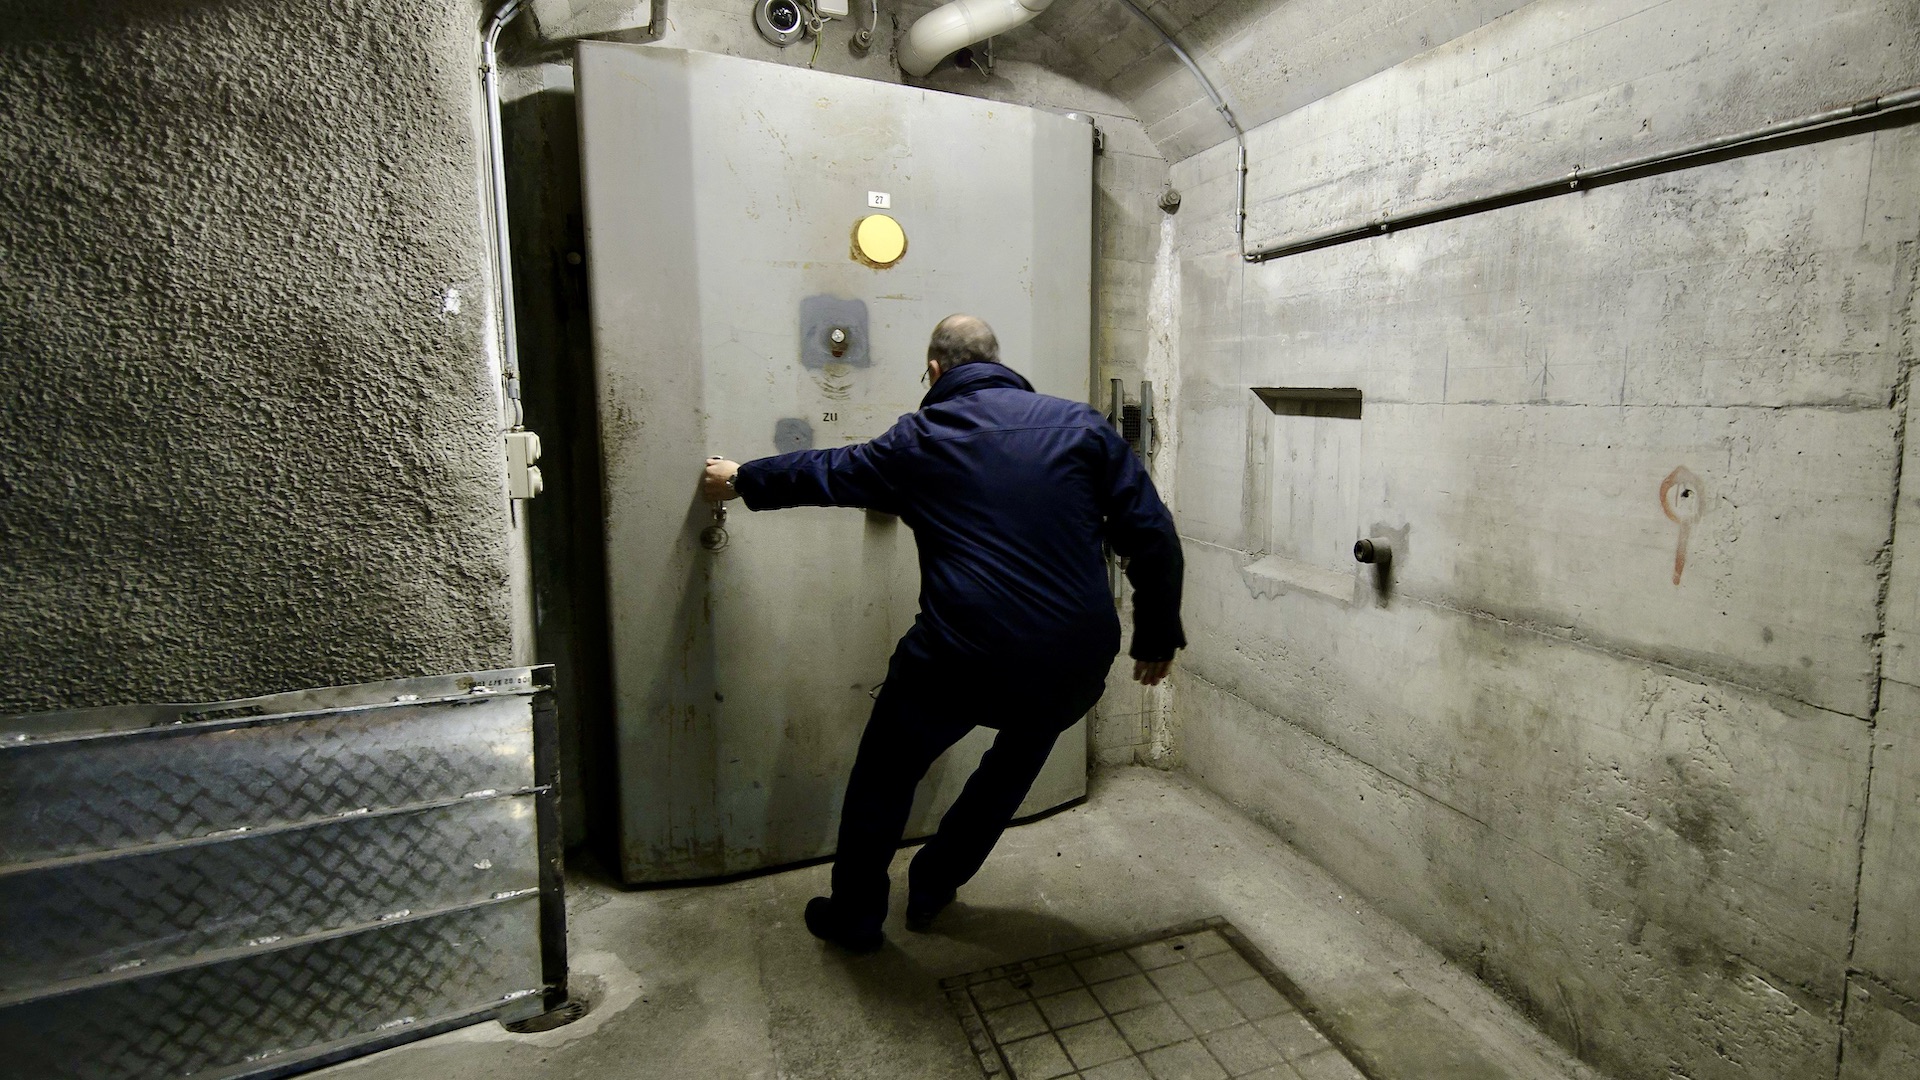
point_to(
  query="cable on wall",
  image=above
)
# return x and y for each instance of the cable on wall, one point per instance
(502, 246)
(1220, 106)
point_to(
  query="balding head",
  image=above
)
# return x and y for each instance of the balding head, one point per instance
(963, 339)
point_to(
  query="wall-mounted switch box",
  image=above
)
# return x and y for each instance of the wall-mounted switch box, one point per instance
(523, 476)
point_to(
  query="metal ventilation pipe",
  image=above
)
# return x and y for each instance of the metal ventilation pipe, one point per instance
(939, 32)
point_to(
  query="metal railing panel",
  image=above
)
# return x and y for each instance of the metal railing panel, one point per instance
(238, 1015)
(98, 793)
(95, 917)
(253, 887)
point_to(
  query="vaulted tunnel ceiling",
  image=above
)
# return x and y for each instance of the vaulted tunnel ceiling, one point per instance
(1266, 57)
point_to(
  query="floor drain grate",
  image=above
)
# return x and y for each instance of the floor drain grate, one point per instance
(1192, 1002)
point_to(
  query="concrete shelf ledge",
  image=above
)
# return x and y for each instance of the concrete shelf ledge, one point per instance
(1271, 575)
(1336, 402)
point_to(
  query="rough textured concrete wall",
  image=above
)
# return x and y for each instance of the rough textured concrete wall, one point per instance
(1609, 746)
(250, 422)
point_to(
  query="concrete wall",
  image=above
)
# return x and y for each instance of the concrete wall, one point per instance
(249, 421)
(1629, 791)
(1883, 1006)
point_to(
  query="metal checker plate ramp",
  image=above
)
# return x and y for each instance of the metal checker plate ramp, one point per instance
(1191, 1002)
(256, 887)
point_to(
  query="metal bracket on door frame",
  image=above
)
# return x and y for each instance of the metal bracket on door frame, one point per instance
(1136, 425)
(1135, 422)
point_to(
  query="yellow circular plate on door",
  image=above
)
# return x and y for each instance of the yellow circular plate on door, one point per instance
(879, 241)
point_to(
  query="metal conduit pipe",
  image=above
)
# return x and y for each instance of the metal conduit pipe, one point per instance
(1205, 83)
(1220, 105)
(502, 246)
(1900, 107)
(863, 28)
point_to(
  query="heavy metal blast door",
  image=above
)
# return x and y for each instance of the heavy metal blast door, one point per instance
(735, 312)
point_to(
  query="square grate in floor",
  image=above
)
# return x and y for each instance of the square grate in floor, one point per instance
(1192, 1002)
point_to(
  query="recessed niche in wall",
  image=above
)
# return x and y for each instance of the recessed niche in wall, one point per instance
(1304, 458)
(1339, 402)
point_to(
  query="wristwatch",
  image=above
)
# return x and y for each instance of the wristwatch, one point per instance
(730, 486)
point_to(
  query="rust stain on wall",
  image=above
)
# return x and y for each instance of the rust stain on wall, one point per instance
(1680, 501)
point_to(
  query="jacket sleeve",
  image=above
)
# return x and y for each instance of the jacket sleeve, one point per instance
(1140, 528)
(856, 475)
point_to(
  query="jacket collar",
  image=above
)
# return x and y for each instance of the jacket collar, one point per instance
(967, 378)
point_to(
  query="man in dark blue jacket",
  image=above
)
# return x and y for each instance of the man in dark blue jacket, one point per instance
(1010, 494)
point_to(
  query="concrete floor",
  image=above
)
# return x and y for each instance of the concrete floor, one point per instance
(724, 981)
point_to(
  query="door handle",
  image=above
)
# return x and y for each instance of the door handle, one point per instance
(714, 537)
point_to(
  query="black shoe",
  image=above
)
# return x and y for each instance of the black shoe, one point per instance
(921, 909)
(825, 923)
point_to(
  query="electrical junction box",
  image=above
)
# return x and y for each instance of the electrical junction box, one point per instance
(523, 476)
(831, 9)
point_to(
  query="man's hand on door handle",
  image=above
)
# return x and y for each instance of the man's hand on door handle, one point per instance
(716, 484)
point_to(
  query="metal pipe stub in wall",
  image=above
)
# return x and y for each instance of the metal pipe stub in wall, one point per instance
(1376, 550)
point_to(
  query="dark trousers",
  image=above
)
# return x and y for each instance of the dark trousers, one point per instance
(924, 708)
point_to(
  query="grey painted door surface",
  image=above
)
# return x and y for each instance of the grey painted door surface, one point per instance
(722, 197)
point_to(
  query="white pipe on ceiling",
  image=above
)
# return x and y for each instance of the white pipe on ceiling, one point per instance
(939, 32)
